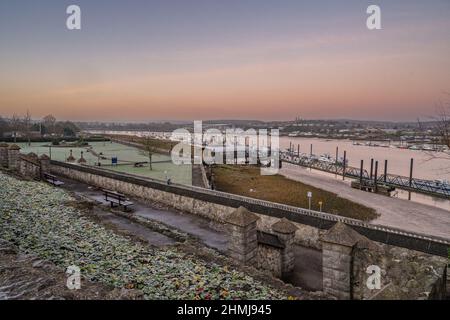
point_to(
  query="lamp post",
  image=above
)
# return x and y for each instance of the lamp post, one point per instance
(309, 195)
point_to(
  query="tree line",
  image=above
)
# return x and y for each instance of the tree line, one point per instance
(24, 126)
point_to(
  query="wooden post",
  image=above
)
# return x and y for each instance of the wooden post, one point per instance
(337, 155)
(376, 176)
(335, 162)
(385, 169)
(290, 147)
(361, 174)
(298, 150)
(343, 166)
(410, 177)
(371, 168)
(310, 151)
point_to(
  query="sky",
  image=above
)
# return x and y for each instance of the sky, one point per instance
(212, 59)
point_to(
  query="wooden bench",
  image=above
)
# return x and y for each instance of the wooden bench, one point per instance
(140, 164)
(117, 199)
(52, 180)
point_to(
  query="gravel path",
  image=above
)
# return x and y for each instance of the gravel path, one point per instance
(398, 213)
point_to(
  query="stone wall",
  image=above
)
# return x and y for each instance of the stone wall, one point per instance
(405, 274)
(217, 206)
(305, 235)
(352, 263)
(273, 252)
(29, 166)
(269, 258)
(3, 155)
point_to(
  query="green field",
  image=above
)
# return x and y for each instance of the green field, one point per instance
(126, 156)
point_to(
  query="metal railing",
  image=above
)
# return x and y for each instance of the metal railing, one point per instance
(429, 187)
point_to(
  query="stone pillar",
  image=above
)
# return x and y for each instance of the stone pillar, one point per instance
(13, 157)
(285, 230)
(337, 260)
(44, 160)
(243, 242)
(4, 155)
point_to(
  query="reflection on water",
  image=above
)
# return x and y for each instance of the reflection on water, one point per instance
(398, 159)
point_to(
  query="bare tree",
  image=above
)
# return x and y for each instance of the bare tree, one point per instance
(49, 123)
(27, 126)
(443, 123)
(4, 127)
(15, 125)
(148, 149)
(442, 131)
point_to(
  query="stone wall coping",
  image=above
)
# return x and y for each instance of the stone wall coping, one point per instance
(342, 234)
(31, 160)
(14, 147)
(284, 226)
(241, 217)
(321, 220)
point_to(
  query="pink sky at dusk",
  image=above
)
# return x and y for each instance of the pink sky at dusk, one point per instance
(338, 70)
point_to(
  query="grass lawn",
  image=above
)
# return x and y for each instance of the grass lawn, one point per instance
(247, 181)
(162, 166)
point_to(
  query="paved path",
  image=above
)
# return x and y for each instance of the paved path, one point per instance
(398, 213)
(194, 225)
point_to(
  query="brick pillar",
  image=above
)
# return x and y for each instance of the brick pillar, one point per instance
(44, 160)
(337, 260)
(4, 155)
(13, 157)
(285, 230)
(243, 242)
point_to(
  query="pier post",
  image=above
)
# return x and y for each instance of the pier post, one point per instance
(298, 150)
(336, 162)
(311, 150)
(361, 174)
(290, 147)
(385, 169)
(337, 155)
(343, 166)
(371, 169)
(376, 177)
(410, 177)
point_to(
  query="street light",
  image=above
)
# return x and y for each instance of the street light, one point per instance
(309, 195)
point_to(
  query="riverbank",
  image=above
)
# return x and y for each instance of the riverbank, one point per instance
(42, 220)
